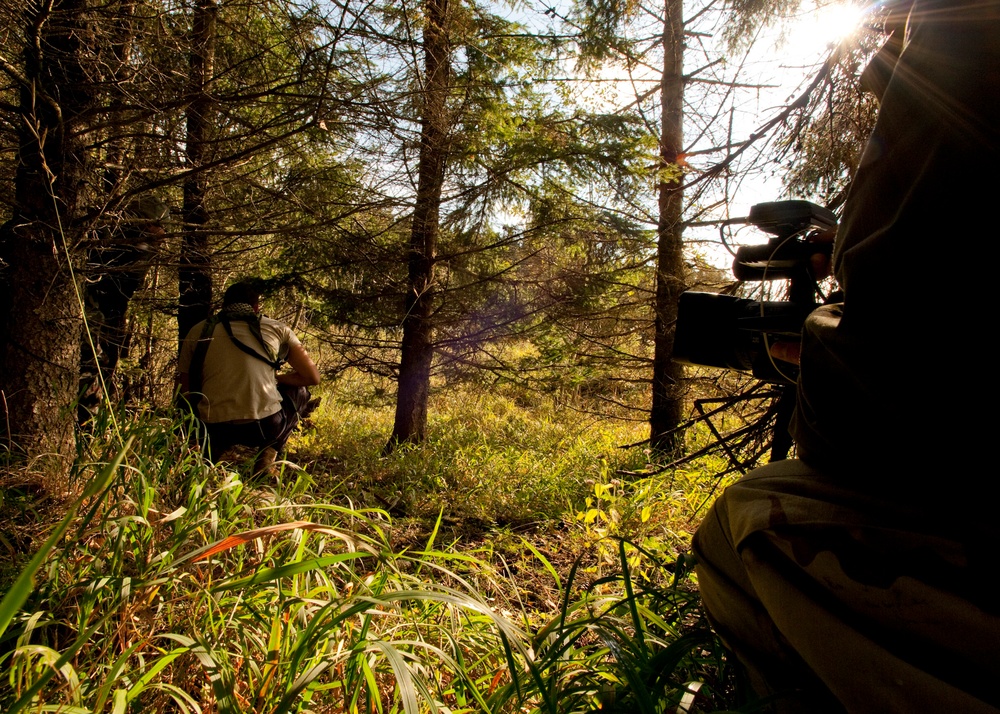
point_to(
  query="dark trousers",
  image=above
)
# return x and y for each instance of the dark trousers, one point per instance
(842, 596)
(271, 431)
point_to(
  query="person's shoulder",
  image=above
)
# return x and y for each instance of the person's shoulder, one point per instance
(278, 327)
(195, 332)
(274, 324)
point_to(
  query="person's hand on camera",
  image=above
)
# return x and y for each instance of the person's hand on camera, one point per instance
(821, 263)
(786, 351)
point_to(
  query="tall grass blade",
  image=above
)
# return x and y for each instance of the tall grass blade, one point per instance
(26, 699)
(544, 561)
(22, 587)
(112, 676)
(637, 622)
(245, 537)
(269, 574)
(404, 678)
(150, 674)
(431, 538)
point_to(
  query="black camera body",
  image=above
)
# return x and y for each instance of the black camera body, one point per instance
(716, 330)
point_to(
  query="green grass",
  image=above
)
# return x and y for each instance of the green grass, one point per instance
(510, 463)
(172, 585)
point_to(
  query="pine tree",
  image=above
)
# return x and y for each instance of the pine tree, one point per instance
(41, 248)
(647, 41)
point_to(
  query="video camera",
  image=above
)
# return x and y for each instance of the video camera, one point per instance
(716, 330)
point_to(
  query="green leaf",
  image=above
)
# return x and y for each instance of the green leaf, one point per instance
(284, 571)
(18, 593)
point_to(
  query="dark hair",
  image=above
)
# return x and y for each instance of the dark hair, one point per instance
(245, 291)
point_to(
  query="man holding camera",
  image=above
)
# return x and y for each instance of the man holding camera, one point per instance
(228, 367)
(859, 577)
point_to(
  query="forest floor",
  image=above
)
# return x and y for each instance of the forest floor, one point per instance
(523, 539)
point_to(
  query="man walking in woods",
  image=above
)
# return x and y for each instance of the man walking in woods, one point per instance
(859, 577)
(228, 367)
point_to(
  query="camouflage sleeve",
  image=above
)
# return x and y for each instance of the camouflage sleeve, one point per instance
(837, 598)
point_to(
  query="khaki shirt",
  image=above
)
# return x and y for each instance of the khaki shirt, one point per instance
(236, 386)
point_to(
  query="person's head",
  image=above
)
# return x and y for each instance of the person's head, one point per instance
(245, 292)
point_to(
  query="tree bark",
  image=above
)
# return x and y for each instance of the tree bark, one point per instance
(42, 246)
(417, 347)
(667, 402)
(195, 276)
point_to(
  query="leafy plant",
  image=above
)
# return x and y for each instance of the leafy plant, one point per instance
(175, 585)
(620, 647)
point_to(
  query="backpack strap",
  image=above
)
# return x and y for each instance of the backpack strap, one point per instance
(196, 372)
(254, 325)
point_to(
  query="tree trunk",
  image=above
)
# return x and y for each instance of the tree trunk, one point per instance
(417, 347)
(667, 404)
(100, 348)
(195, 276)
(42, 245)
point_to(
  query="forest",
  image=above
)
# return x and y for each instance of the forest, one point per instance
(479, 218)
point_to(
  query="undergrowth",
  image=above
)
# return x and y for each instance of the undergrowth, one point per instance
(177, 586)
(488, 455)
